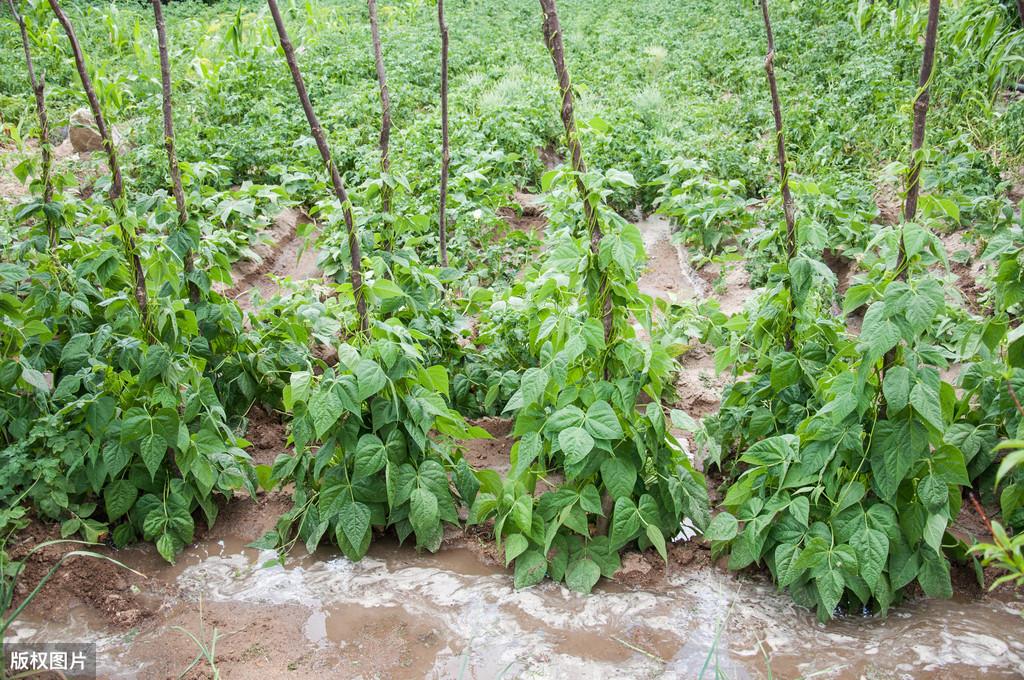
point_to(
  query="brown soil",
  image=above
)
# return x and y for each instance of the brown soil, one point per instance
(111, 592)
(549, 156)
(730, 284)
(527, 217)
(699, 387)
(491, 453)
(890, 206)
(267, 433)
(968, 274)
(286, 255)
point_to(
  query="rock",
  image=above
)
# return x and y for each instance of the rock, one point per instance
(84, 136)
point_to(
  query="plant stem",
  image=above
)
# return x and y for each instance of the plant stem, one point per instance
(553, 40)
(385, 119)
(117, 183)
(445, 154)
(172, 156)
(39, 90)
(332, 169)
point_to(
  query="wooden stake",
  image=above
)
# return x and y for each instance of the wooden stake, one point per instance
(117, 183)
(39, 90)
(385, 118)
(780, 140)
(445, 154)
(332, 169)
(553, 40)
(921, 114)
(172, 156)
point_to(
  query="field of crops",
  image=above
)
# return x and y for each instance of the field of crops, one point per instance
(484, 339)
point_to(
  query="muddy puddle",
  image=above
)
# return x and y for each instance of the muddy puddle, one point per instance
(406, 615)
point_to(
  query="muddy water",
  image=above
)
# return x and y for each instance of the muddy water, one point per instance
(447, 615)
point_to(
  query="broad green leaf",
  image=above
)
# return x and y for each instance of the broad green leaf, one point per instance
(370, 455)
(576, 443)
(872, 548)
(424, 513)
(153, 449)
(896, 388)
(657, 539)
(370, 379)
(354, 521)
(619, 477)
(602, 422)
(530, 569)
(325, 408)
(830, 589)
(515, 545)
(625, 521)
(723, 527)
(582, 575)
(933, 492)
(119, 497)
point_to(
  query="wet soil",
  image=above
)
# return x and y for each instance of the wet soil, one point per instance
(399, 614)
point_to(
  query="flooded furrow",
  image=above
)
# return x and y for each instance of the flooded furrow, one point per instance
(397, 613)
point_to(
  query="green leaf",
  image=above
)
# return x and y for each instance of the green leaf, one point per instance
(872, 548)
(515, 545)
(785, 371)
(625, 521)
(167, 547)
(602, 422)
(657, 539)
(118, 498)
(153, 449)
(934, 576)
(576, 443)
(532, 386)
(354, 521)
(934, 530)
(522, 512)
(530, 569)
(831, 585)
(582, 575)
(325, 407)
(896, 388)
(424, 514)
(619, 477)
(933, 492)
(370, 455)
(723, 527)
(370, 379)
(926, 403)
